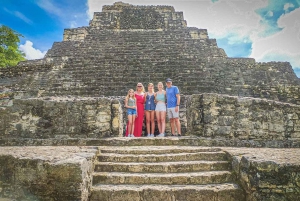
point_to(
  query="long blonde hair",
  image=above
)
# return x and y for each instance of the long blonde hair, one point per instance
(151, 84)
(161, 84)
(143, 89)
(128, 96)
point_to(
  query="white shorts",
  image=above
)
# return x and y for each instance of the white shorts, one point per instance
(172, 114)
(161, 107)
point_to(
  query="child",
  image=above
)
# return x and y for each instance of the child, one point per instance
(149, 110)
(130, 104)
(160, 110)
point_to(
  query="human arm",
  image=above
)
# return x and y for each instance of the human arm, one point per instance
(178, 103)
(136, 110)
(178, 99)
(145, 95)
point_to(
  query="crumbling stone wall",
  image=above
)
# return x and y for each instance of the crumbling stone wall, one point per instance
(67, 117)
(227, 120)
(267, 174)
(127, 16)
(75, 34)
(228, 117)
(61, 117)
(46, 173)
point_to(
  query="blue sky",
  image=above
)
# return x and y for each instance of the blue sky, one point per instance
(267, 30)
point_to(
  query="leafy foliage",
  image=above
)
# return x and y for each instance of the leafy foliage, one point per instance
(10, 55)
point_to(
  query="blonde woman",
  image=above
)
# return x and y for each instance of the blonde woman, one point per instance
(160, 110)
(149, 110)
(139, 120)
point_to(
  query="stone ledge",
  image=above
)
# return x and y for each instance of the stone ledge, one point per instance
(143, 141)
(267, 174)
(46, 173)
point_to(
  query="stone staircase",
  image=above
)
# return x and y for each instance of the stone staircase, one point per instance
(163, 173)
(109, 62)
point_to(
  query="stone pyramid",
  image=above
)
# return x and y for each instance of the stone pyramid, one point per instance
(125, 44)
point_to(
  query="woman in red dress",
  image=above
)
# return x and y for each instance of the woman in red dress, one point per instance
(139, 121)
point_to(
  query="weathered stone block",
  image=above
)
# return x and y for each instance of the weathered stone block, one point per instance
(46, 173)
(267, 174)
(47, 117)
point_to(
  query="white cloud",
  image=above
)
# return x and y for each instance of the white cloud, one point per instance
(270, 14)
(280, 55)
(49, 7)
(19, 15)
(73, 24)
(284, 44)
(287, 6)
(23, 17)
(31, 52)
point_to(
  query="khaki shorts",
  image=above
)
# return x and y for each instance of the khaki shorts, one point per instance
(171, 113)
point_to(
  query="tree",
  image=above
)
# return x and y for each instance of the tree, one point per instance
(10, 55)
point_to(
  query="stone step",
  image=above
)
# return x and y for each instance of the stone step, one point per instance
(118, 142)
(214, 192)
(156, 141)
(162, 167)
(156, 149)
(211, 156)
(190, 178)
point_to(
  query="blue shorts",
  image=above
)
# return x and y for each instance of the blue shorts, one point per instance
(131, 111)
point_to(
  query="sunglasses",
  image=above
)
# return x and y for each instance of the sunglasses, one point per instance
(139, 86)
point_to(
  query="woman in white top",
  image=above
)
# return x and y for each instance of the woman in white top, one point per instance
(160, 110)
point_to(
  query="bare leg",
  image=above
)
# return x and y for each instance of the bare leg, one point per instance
(172, 123)
(178, 126)
(130, 124)
(148, 121)
(152, 122)
(158, 114)
(132, 127)
(163, 121)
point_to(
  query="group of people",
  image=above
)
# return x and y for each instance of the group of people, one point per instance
(153, 104)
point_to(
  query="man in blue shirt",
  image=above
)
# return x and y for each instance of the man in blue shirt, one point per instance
(173, 102)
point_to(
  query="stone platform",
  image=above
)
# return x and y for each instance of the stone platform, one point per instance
(133, 167)
(143, 141)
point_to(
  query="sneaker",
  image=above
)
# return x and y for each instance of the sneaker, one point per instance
(161, 135)
(151, 135)
(148, 135)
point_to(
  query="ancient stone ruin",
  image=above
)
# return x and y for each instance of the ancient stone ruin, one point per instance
(125, 44)
(62, 118)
